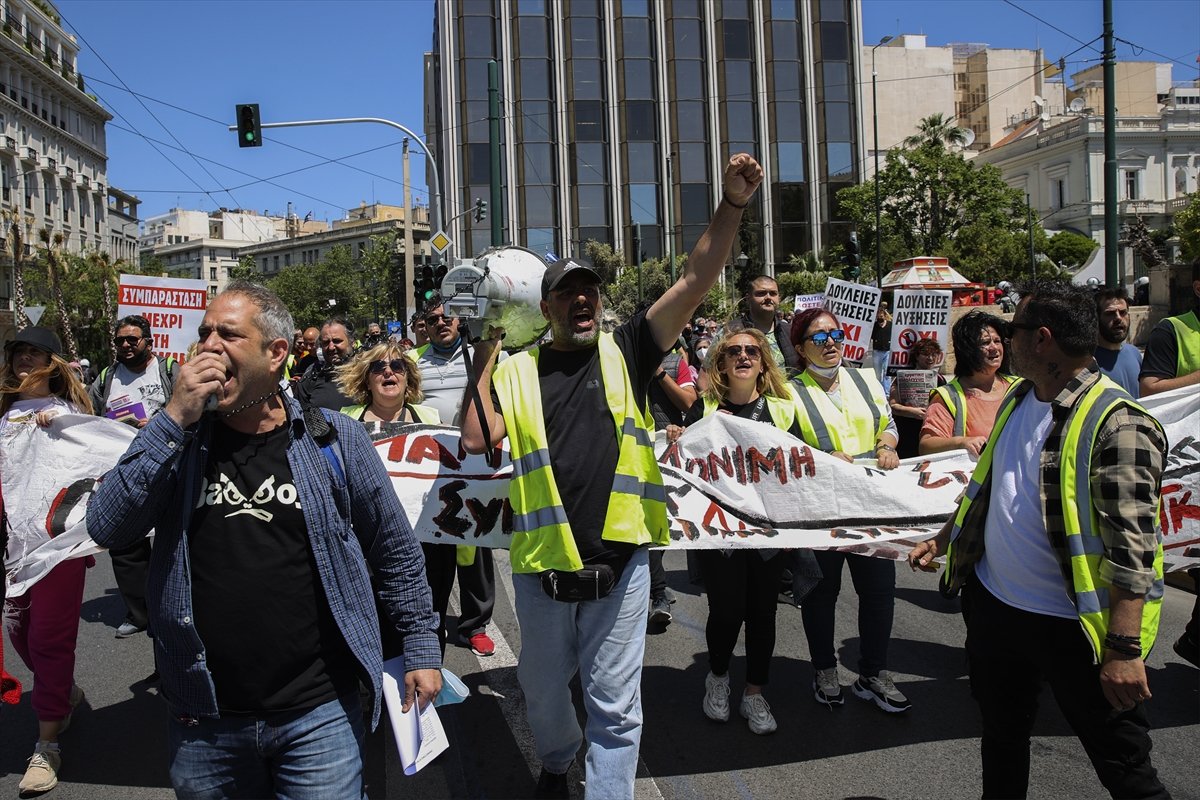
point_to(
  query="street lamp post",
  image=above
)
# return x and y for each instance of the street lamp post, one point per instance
(875, 124)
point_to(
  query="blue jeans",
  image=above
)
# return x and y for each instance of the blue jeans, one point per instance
(604, 641)
(305, 755)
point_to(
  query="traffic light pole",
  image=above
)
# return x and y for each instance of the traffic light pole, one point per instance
(435, 191)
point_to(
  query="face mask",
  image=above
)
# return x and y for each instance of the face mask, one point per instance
(824, 372)
(701, 352)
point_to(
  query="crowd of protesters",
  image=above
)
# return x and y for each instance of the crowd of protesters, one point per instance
(261, 403)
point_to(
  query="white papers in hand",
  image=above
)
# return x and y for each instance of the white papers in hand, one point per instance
(419, 734)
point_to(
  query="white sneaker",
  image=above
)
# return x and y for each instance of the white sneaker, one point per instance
(42, 773)
(826, 688)
(716, 697)
(882, 691)
(755, 709)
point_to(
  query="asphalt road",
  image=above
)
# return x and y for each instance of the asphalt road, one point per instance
(116, 746)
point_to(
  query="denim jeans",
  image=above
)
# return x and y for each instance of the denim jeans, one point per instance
(303, 755)
(604, 641)
(875, 582)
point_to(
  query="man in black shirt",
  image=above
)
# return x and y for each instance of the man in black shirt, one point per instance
(762, 303)
(318, 388)
(587, 498)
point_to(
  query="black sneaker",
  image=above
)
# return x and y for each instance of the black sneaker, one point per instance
(552, 786)
(660, 610)
(1188, 649)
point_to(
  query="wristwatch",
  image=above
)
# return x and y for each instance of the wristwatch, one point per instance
(884, 446)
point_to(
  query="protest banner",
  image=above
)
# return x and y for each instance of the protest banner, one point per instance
(48, 474)
(854, 305)
(918, 314)
(174, 308)
(914, 385)
(729, 482)
(803, 302)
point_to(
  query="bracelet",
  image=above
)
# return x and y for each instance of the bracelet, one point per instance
(1124, 648)
(1120, 638)
(725, 197)
(884, 446)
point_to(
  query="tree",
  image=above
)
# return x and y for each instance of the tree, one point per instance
(19, 226)
(937, 131)
(1187, 228)
(313, 292)
(1070, 250)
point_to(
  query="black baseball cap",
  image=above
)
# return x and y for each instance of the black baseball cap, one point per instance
(41, 338)
(556, 272)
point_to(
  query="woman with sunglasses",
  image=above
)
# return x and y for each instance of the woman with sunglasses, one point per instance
(961, 413)
(741, 584)
(843, 411)
(385, 385)
(36, 384)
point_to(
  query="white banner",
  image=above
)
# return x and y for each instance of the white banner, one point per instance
(855, 306)
(173, 306)
(919, 314)
(803, 302)
(48, 475)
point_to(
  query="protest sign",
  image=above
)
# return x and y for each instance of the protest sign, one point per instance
(48, 474)
(854, 305)
(173, 306)
(803, 302)
(914, 385)
(919, 314)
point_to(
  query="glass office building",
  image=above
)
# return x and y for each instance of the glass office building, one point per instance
(616, 113)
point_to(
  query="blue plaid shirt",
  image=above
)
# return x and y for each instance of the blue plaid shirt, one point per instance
(156, 484)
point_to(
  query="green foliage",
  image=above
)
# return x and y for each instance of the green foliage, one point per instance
(306, 289)
(1070, 250)
(803, 282)
(246, 270)
(607, 262)
(1187, 228)
(936, 131)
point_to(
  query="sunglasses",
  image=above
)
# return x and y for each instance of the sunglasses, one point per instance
(824, 337)
(434, 319)
(396, 365)
(129, 340)
(751, 350)
(1024, 326)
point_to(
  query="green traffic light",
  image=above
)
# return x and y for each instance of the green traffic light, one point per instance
(249, 136)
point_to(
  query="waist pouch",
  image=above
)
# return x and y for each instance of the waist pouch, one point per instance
(589, 583)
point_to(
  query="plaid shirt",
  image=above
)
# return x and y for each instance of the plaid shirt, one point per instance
(156, 484)
(1126, 472)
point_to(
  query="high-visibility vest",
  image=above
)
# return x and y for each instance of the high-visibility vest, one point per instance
(783, 411)
(853, 429)
(637, 509)
(1187, 343)
(1085, 584)
(955, 398)
(425, 414)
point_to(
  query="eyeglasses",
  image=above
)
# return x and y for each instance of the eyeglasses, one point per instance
(1024, 326)
(434, 319)
(396, 365)
(129, 340)
(823, 338)
(751, 350)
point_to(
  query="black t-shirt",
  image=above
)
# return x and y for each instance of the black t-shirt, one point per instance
(318, 388)
(1161, 359)
(582, 434)
(751, 410)
(270, 638)
(881, 334)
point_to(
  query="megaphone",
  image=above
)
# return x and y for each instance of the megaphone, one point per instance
(502, 286)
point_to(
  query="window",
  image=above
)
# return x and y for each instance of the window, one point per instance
(593, 205)
(1058, 194)
(275, 263)
(639, 121)
(784, 44)
(636, 37)
(635, 8)
(736, 37)
(692, 162)
(590, 163)
(587, 79)
(287, 259)
(589, 120)
(585, 37)
(789, 162)
(639, 80)
(1132, 184)
(837, 80)
(643, 160)
(540, 240)
(687, 38)
(839, 159)
(783, 9)
(537, 164)
(643, 203)
(479, 163)
(531, 37)
(535, 77)
(695, 204)
(835, 45)
(212, 273)
(539, 206)
(738, 83)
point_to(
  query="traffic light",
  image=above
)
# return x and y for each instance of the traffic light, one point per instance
(423, 285)
(480, 209)
(249, 126)
(853, 259)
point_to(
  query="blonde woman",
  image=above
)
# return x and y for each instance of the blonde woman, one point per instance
(385, 385)
(36, 384)
(742, 585)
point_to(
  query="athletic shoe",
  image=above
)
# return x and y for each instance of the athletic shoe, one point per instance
(1187, 648)
(75, 699)
(552, 785)
(660, 610)
(826, 688)
(716, 697)
(754, 709)
(481, 644)
(882, 691)
(42, 773)
(127, 629)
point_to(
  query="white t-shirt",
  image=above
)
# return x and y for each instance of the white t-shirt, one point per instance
(444, 380)
(1019, 566)
(25, 410)
(140, 394)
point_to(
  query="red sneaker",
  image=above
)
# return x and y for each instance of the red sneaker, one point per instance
(482, 644)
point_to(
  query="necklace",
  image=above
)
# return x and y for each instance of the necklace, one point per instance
(252, 403)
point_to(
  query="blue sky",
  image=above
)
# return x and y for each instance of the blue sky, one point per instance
(171, 72)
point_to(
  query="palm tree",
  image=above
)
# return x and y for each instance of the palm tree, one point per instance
(52, 241)
(18, 224)
(937, 131)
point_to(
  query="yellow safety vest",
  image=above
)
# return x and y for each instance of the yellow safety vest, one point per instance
(637, 509)
(955, 398)
(853, 429)
(783, 411)
(1187, 343)
(1085, 584)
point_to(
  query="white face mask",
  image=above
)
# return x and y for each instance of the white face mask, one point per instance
(824, 372)
(701, 352)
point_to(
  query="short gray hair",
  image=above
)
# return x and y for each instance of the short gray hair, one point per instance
(273, 319)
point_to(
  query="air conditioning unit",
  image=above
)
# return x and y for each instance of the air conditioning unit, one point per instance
(10, 144)
(100, 188)
(68, 173)
(31, 154)
(83, 180)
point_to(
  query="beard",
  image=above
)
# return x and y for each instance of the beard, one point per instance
(1111, 336)
(561, 328)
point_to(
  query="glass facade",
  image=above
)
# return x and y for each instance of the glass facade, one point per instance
(598, 149)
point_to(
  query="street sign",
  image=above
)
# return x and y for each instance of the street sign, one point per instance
(440, 242)
(34, 313)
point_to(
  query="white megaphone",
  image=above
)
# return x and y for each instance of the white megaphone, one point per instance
(503, 287)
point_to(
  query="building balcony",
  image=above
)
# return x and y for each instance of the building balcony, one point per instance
(30, 154)
(9, 144)
(1177, 204)
(49, 165)
(69, 174)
